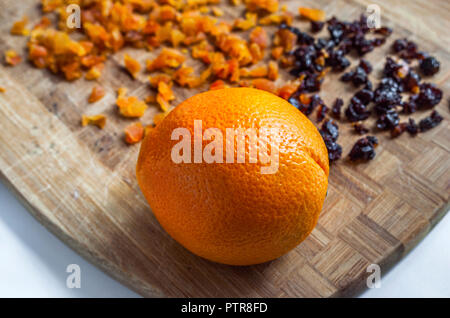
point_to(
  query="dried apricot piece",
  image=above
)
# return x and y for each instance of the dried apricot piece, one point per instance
(19, 27)
(247, 23)
(130, 106)
(217, 11)
(276, 52)
(132, 66)
(165, 91)
(12, 58)
(264, 84)
(272, 73)
(276, 19)
(312, 14)
(155, 79)
(97, 93)
(134, 133)
(96, 120)
(268, 5)
(287, 90)
(259, 36)
(167, 58)
(2, 89)
(260, 71)
(218, 84)
(94, 72)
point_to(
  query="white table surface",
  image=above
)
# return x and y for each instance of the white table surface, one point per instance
(33, 263)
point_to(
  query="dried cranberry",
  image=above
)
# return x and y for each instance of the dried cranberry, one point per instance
(334, 149)
(336, 32)
(364, 149)
(356, 111)
(386, 31)
(410, 106)
(330, 128)
(429, 66)
(398, 130)
(365, 96)
(358, 76)
(360, 129)
(337, 106)
(387, 95)
(430, 122)
(411, 81)
(317, 26)
(330, 134)
(412, 127)
(321, 112)
(399, 45)
(337, 60)
(429, 95)
(366, 66)
(388, 120)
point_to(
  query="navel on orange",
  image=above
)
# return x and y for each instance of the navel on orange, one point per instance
(231, 212)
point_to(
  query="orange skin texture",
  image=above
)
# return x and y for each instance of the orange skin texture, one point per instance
(231, 213)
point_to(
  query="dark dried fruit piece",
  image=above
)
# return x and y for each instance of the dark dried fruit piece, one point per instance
(321, 112)
(430, 122)
(358, 76)
(364, 149)
(429, 95)
(360, 129)
(317, 26)
(399, 45)
(330, 128)
(365, 96)
(356, 111)
(330, 134)
(334, 150)
(429, 66)
(388, 120)
(398, 130)
(337, 106)
(412, 127)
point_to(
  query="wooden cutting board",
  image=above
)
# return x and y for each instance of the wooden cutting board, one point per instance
(80, 182)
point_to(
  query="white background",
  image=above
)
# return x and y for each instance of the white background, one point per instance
(33, 263)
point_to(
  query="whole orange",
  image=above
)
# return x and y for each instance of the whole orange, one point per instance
(231, 212)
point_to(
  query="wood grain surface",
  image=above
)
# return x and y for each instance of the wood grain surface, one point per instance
(80, 182)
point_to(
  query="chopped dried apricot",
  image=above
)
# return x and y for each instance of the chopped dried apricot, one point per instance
(155, 79)
(312, 14)
(218, 84)
(167, 58)
(277, 52)
(264, 84)
(268, 5)
(217, 11)
(272, 73)
(165, 91)
(130, 106)
(259, 36)
(97, 93)
(12, 58)
(2, 89)
(94, 72)
(277, 18)
(260, 71)
(19, 27)
(96, 120)
(287, 90)
(132, 66)
(134, 133)
(247, 23)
